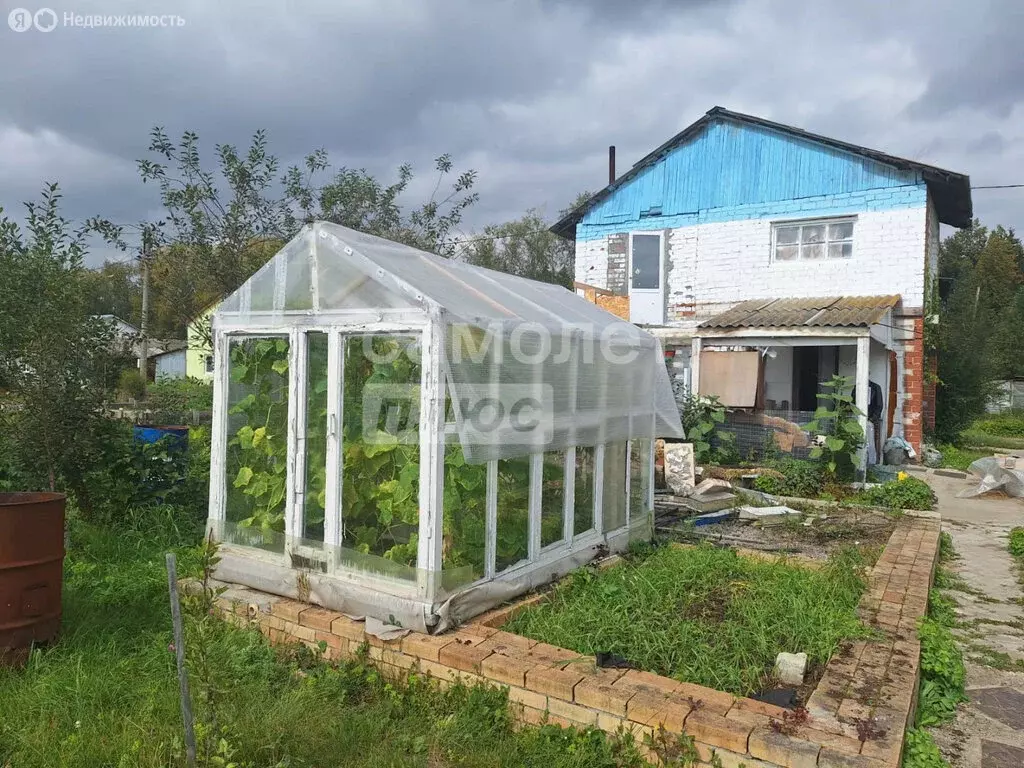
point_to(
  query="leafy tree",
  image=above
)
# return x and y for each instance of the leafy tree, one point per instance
(223, 224)
(526, 248)
(978, 338)
(53, 350)
(114, 289)
(998, 278)
(958, 254)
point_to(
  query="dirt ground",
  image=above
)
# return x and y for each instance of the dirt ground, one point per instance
(815, 535)
(988, 731)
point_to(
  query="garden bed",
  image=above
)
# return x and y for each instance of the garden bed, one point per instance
(815, 536)
(703, 615)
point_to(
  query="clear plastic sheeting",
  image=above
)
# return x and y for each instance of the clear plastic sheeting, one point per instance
(530, 367)
(313, 556)
(411, 438)
(996, 474)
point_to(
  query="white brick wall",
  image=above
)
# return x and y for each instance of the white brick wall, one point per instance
(716, 265)
(592, 262)
(734, 263)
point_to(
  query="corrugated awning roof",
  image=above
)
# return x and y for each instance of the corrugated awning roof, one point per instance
(829, 312)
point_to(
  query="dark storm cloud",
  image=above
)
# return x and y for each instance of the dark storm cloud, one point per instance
(529, 93)
(977, 65)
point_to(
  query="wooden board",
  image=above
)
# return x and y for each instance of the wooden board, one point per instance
(730, 376)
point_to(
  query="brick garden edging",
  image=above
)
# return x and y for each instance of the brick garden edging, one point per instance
(857, 714)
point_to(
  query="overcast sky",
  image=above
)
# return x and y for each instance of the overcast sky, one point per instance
(529, 93)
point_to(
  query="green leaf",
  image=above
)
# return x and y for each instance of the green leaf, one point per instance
(243, 477)
(816, 452)
(258, 436)
(832, 467)
(834, 444)
(280, 366)
(245, 435)
(718, 416)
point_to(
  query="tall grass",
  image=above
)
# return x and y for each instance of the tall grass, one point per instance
(106, 694)
(703, 615)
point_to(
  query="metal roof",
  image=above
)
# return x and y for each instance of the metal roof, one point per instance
(829, 312)
(951, 191)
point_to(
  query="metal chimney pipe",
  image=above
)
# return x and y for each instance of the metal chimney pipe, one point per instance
(611, 164)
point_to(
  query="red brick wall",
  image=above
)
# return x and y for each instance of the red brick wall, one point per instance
(913, 387)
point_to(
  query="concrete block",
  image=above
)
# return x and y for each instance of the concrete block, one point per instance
(790, 668)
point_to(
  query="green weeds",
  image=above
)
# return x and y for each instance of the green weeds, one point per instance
(920, 751)
(1017, 543)
(703, 615)
(904, 493)
(106, 693)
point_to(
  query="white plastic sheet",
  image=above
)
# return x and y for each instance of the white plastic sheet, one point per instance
(995, 475)
(581, 375)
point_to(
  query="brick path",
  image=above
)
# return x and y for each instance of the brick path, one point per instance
(988, 731)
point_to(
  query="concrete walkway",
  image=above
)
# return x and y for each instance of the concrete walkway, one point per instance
(989, 730)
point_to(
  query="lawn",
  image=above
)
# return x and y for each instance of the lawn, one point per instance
(996, 430)
(106, 694)
(703, 615)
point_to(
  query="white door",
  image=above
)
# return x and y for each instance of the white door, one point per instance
(646, 297)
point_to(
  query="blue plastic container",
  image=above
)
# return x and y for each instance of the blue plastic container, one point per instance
(146, 433)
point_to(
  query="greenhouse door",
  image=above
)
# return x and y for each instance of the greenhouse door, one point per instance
(314, 502)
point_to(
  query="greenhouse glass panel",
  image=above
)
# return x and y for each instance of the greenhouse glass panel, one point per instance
(613, 492)
(639, 477)
(513, 526)
(465, 517)
(380, 446)
(257, 440)
(552, 498)
(314, 497)
(583, 500)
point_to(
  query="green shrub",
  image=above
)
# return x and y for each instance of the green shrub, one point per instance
(799, 478)
(904, 493)
(179, 395)
(130, 384)
(920, 751)
(701, 417)
(1005, 424)
(838, 419)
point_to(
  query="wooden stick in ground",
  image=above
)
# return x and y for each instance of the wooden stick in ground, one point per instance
(179, 651)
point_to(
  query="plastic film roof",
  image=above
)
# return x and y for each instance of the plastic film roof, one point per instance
(600, 379)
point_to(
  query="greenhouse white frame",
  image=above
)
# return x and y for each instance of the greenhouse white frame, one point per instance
(420, 294)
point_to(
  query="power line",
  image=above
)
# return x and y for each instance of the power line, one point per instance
(999, 186)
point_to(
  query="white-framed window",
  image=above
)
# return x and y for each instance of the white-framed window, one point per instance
(813, 240)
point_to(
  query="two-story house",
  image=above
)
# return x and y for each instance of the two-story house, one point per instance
(770, 259)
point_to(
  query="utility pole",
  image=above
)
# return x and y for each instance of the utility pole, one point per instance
(144, 351)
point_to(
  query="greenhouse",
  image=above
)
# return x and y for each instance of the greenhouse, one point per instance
(410, 438)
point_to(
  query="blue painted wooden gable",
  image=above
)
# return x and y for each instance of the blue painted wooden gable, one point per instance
(738, 171)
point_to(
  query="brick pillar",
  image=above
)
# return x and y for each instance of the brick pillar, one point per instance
(913, 387)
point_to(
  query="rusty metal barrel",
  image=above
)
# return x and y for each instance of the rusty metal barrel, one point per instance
(31, 571)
